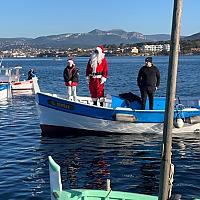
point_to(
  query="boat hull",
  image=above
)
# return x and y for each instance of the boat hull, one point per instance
(60, 117)
(100, 194)
(72, 124)
(22, 85)
(5, 91)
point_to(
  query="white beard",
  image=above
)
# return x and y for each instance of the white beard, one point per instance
(96, 59)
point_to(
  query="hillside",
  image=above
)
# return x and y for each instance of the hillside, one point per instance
(195, 36)
(85, 40)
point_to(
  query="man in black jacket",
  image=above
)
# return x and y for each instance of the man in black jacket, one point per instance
(148, 81)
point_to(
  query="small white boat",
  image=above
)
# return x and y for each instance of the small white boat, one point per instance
(5, 91)
(12, 76)
(22, 85)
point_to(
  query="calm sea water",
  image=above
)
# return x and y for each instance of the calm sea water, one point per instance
(132, 162)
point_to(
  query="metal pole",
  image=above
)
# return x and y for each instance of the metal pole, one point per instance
(169, 107)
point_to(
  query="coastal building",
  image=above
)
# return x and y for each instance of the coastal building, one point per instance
(134, 50)
(155, 48)
(166, 47)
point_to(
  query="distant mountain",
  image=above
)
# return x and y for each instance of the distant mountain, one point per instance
(195, 36)
(158, 37)
(84, 40)
(11, 43)
(90, 39)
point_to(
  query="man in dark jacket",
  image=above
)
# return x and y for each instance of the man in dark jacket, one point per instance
(148, 81)
(31, 74)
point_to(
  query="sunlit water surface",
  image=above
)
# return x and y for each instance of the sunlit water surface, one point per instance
(132, 162)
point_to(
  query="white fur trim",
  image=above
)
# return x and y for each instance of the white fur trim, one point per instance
(99, 50)
(103, 80)
(93, 61)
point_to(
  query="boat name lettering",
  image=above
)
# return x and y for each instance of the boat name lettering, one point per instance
(60, 105)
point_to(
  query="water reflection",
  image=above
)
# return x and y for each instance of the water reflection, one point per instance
(4, 103)
(182, 148)
(22, 92)
(86, 162)
(73, 165)
(98, 172)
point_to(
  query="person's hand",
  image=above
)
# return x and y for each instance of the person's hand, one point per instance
(156, 88)
(103, 80)
(70, 82)
(88, 79)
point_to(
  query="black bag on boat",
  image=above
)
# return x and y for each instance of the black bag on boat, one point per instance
(130, 97)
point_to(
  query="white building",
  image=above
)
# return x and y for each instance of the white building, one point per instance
(134, 50)
(154, 48)
(166, 47)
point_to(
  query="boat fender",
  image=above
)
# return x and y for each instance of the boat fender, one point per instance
(193, 120)
(178, 123)
(125, 117)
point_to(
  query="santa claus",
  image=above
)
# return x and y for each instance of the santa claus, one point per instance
(96, 74)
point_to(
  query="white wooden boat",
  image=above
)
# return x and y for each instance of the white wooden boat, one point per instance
(22, 85)
(12, 76)
(60, 116)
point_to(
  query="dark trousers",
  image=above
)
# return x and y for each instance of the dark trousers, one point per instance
(147, 91)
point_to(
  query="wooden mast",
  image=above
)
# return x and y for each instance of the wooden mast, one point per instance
(164, 186)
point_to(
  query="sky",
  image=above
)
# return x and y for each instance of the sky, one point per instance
(35, 18)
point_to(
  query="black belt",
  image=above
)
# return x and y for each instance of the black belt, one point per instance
(95, 74)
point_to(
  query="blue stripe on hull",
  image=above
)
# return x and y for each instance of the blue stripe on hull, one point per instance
(4, 87)
(142, 116)
(97, 112)
(75, 108)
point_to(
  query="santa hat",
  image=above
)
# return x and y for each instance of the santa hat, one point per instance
(100, 49)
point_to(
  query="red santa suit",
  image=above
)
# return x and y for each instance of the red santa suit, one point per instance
(97, 73)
